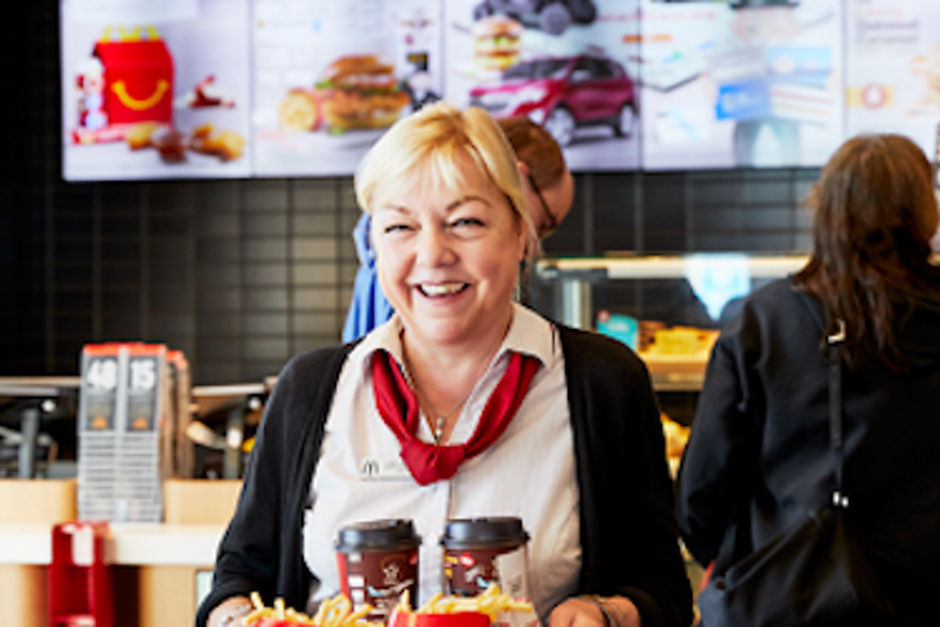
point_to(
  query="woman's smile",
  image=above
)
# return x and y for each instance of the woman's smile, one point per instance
(442, 290)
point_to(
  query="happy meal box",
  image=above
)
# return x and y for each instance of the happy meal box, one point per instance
(132, 82)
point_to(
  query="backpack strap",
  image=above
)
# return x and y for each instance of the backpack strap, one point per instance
(830, 344)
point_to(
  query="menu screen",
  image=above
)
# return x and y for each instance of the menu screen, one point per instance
(740, 87)
(270, 88)
(893, 69)
(155, 89)
(331, 76)
(565, 66)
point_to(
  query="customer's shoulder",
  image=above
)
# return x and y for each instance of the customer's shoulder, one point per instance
(775, 298)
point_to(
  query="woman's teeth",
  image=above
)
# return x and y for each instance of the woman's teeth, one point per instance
(442, 289)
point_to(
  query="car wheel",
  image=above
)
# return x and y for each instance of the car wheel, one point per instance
(554, 19)
(560, 124)
(582, 11)
(626, 120)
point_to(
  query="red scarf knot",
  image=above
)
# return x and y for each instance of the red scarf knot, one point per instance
(398, 406)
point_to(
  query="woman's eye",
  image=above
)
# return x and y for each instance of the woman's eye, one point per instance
(392, 228)
(466, 222)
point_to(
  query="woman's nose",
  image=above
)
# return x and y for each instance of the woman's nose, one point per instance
(434, 247)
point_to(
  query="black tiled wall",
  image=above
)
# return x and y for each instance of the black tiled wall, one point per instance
(242, 274)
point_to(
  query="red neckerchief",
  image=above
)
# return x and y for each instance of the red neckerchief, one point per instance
(398, 406)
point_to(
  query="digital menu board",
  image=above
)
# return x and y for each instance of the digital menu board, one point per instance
(155, 90)
(268, 88)
(893, 69)
(748, 85)
(330, 77)
(564, 65)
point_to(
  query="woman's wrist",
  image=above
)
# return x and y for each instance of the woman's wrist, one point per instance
(610, 618)
(230, 612)
(617, 611)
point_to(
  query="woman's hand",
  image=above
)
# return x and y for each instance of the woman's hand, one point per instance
(586, 611)
(228, 613)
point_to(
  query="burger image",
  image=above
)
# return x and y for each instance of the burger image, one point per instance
(358, 91)
(496, 42)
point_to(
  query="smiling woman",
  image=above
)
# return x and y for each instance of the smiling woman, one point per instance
(448, 253)
(435, 414)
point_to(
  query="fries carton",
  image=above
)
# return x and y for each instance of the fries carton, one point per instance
(492, 607)
(459, 619)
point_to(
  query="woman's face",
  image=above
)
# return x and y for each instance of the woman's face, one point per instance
(447, 259)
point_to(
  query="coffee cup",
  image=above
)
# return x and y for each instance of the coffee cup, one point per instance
(479, 552)
(378, 561)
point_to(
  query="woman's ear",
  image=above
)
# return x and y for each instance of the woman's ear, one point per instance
(523, 169)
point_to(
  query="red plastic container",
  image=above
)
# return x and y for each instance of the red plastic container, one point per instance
(80, 589)
(457, 619)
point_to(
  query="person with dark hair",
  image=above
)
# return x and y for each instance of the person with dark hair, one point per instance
(759, 455)
(548, 185)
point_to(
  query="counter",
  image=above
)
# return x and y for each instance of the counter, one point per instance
(127, 544)
(158, 570)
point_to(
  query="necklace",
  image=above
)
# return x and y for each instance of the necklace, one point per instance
(436, 424)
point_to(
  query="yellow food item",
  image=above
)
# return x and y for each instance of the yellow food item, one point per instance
(229, 145)
(334, 612)
(226, 144)
(677, 436)
(491, 602)
(684, 342)
(298, 111)
(139, 135)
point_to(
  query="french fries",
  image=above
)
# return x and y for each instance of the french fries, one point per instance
(335, 612)
(338, 612)
(491, 602)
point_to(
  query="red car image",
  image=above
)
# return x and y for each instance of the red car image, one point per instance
(562, 94)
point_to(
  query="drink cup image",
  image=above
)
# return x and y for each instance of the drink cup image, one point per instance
(378, 561)
(479, 552)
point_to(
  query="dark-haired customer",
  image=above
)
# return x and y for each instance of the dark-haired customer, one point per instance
(759, 458)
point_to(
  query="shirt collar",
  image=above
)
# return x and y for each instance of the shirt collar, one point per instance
(529, 333)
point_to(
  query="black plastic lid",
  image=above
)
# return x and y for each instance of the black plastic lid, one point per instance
(481, 533)
(385, 535)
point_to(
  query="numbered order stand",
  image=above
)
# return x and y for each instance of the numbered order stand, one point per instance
(121, 463)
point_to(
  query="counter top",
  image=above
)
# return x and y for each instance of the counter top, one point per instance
(674, 266)
(127, 544)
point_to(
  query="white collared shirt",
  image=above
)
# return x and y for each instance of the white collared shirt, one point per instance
(528, 472)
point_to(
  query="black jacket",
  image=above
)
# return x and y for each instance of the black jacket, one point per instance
(628, 532)
(758, 457)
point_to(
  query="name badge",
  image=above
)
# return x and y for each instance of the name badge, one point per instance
(383, 469)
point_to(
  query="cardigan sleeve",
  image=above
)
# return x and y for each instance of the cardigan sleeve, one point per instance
(629, 537)
(246, 560)
(260, 549)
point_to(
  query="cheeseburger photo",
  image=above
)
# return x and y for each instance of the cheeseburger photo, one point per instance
(358, 91)
(496, 42)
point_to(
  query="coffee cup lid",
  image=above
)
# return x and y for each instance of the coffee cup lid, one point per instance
(388, 534)
(471, 533)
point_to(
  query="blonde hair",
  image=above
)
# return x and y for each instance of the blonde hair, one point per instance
(436, 136)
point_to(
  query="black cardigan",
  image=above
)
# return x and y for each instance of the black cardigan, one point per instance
(628, 530)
